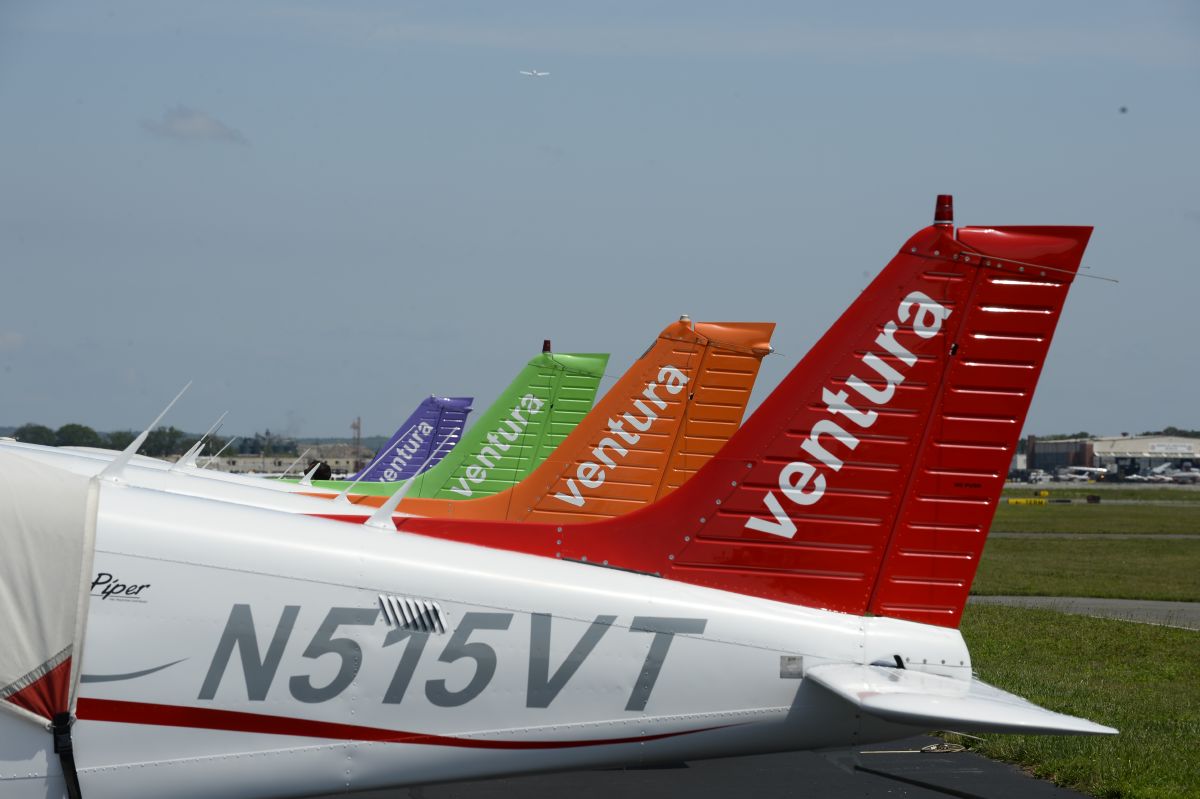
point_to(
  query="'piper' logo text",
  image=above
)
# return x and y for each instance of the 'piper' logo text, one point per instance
(591, 473)
(802, 482)
(107, 586)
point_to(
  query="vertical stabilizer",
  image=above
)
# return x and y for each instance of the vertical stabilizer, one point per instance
(524, 425)
(426, 436)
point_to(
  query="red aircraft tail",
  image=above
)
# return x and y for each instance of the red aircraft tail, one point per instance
(866, 482)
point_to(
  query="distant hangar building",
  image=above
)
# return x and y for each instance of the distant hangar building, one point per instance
(1121, 455)
(1140, 454)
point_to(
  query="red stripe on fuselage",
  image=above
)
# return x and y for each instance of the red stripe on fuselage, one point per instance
(236, 721)
(341, 517)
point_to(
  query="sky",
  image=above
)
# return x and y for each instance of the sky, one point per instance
(317, 211)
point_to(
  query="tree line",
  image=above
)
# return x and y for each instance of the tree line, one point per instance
(161, 442)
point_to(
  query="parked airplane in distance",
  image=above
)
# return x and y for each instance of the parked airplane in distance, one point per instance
(1168, 473)
(802, 590)
(1081, 474)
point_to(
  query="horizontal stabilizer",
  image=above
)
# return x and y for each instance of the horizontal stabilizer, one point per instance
(929, 700)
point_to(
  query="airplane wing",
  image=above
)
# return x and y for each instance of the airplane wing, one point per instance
(930, 700)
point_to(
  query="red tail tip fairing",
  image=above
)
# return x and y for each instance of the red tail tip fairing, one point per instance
(867, 481)
(943, 210)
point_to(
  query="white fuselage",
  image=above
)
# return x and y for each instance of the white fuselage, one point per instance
(246, 654)
(143, 472)
(158, 464)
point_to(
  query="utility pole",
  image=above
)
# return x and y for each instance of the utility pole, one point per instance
(356, 426)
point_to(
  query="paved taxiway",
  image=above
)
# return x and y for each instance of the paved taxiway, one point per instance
(899, 769)
(1146, 611)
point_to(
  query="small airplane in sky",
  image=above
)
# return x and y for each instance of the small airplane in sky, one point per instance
(533, 73)
(802, 590)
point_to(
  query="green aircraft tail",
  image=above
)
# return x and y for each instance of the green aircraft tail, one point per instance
(510, 439)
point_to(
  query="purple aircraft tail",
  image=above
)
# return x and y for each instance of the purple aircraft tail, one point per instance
(437, 422)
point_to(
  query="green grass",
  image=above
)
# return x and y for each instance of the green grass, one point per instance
(1158, 493)
(1119, 568)
(1138, 678)
(1130, 519)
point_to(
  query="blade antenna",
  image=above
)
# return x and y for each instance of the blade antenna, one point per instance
(189, 457)
(382, 517)
(193, 450)
(344, 496)
(114, 469)
(299, 458)
(306, 480)
(228, 444)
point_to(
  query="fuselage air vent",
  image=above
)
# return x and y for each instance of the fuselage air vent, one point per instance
(418, 615)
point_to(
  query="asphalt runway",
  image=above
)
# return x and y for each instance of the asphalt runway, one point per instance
(898, 770)
(1145, 611)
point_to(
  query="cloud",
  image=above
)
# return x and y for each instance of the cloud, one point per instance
(187, 124)
(11, 341)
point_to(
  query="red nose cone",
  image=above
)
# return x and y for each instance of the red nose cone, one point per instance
(943, 212)
(545, 345)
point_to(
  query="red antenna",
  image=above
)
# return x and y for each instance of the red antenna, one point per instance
(546, 345)
(943, 212)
